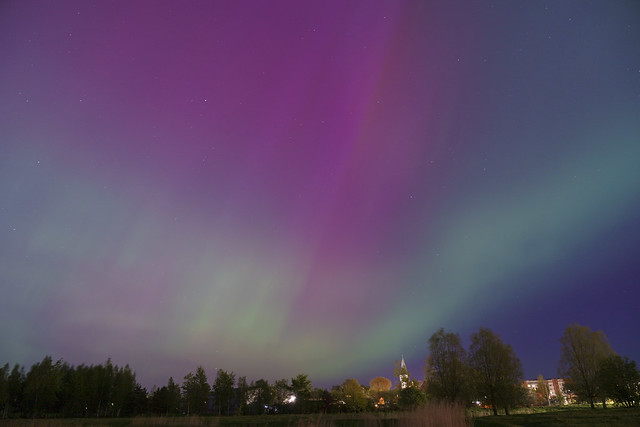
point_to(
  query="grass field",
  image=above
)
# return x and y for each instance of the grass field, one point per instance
(563, 416)
(432, 419)
(432, 416)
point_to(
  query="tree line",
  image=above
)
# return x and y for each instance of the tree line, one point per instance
(58, 388)
(594, 372)
(489, 373)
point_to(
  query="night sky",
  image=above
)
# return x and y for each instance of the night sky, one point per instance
(285, 187)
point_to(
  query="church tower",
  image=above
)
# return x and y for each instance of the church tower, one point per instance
(404, 374)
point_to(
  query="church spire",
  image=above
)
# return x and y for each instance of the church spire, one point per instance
(404, 374)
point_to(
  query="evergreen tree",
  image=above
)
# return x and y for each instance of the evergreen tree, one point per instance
(173, 397)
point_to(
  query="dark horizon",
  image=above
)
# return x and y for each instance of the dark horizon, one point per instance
(415, 369)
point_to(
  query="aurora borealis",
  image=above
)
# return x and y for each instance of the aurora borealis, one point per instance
(284, 187)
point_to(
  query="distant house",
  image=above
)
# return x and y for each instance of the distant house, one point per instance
(556, 388)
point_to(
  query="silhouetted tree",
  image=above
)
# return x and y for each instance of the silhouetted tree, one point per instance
(447, 375)
(242, 394)
(60, 389)
(15, 387)
(99, 382)
(322, 398)
(619, 379)
(166, 399)
(66, 392)
(497, 372)
(581, 354)
(281, 394)
(123, 398)
(411, 397)
(261, 396)
(84, 386)
(196, 391)
(301, 389)
(4, 390)
(42, 385)
(173, 397)
(223, 391)
(158, 400)
(139, 403)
